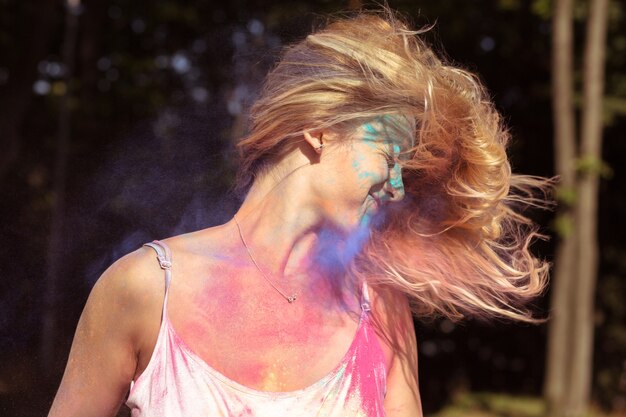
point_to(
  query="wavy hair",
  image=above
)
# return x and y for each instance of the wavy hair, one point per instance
(459, 242)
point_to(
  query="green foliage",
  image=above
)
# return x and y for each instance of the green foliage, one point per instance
(542, 8)
(485, 404)
(581, 10)
(566, 195)
(614, 108)
(588, 165)
(616, 12)
(563, 225)
(509, 5)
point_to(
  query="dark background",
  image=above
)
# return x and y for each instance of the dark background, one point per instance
(158, 96)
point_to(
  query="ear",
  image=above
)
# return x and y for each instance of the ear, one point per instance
(315, 139)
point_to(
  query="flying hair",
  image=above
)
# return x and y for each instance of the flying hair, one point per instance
(459, 243)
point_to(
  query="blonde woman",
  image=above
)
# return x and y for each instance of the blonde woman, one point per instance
(377, 186)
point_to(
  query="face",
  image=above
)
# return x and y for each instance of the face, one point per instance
(366, 172)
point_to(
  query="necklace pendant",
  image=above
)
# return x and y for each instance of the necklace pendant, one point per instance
(290, 298)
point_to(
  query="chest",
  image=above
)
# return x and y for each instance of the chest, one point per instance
(252, 335)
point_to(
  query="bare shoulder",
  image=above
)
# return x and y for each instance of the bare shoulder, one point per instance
(134, 281)
(127, 300)
(120, 318)
(135, 270)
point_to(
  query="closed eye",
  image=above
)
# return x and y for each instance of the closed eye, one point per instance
(391, 160)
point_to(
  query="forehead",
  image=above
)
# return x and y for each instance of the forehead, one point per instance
(394, 130)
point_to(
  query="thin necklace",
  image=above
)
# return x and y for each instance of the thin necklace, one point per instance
(290, 298)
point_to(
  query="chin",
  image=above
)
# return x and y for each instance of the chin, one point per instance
(356, 221)
(361, 220)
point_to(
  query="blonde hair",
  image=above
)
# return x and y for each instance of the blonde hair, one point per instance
(458, 244)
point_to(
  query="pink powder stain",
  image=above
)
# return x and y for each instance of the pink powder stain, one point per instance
(187, 389)
(178, 382)
(223, 303)
(367, 374)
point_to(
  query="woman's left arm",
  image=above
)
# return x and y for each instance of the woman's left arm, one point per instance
(403, 397)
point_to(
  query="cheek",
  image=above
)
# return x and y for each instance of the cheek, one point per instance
(367, 172)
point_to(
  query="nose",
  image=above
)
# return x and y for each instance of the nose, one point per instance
(394, 187)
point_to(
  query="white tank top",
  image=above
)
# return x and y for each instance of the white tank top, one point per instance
(178, 383)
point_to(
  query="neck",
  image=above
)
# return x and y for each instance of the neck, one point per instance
(280, 224)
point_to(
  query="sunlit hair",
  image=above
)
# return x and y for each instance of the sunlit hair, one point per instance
(458, 244)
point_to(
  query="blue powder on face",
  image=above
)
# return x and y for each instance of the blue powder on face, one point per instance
(373, 137)
(396, 179)
(357, 165)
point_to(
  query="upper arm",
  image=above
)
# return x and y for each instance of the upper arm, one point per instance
(398, 334)
(103, 356)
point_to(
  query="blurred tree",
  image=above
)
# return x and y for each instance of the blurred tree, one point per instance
(569, 371)
(564, 147)
(53, 258)
(34, 24)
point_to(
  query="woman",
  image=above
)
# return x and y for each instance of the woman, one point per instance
(378, 185)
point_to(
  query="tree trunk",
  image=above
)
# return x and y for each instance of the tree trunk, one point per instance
(37, 23)
(570, 340)
(586, 213)
(557, 359)
(53, 261)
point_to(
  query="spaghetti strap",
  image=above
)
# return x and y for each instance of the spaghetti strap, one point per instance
(365, 297)
(164, 256)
